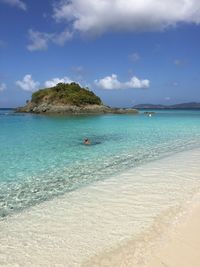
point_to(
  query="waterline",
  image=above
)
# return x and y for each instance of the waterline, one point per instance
(73, 228)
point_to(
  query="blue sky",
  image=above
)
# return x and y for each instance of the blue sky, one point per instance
(127, 52)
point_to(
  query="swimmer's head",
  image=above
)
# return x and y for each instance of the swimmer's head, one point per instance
(86, 141)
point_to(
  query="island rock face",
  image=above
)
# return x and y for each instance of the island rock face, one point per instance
(69, 99)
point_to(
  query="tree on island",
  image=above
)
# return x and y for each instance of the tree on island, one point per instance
(68, 99)
(66, 94)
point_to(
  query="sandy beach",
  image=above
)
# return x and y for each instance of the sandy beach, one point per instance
(183, 244)
(106, 224)
(177, 246)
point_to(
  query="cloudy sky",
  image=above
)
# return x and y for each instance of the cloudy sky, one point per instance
(126, 51)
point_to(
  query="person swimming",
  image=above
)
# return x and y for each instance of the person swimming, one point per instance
(86, 141)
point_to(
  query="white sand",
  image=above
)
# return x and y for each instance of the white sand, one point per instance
(70, 230)
(178, 245)
(182, 247)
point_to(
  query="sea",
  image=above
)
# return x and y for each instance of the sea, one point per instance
(42, 157)
(63, 203)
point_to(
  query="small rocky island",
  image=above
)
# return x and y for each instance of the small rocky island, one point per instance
(69, 99)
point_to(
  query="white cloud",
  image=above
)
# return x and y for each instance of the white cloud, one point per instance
(16, 3)
(137, 83)
(167, 98)
(112, 82)
(2, 87)
(54, 81)
(61, 38)
(109, 82)
(27, 83)
(98, 16)
(40, 40)
(134, 57)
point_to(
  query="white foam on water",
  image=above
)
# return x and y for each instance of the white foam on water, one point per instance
(71, 229)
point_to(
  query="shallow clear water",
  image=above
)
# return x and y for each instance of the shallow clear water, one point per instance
(43, 156)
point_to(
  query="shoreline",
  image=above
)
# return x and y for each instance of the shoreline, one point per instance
(52, 109)
(70, 230)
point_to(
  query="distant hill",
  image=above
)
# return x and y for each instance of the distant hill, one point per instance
(190, 105)
(68, 98)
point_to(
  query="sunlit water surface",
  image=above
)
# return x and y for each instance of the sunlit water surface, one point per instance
(43, 156)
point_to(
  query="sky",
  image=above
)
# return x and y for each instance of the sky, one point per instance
(127, 51)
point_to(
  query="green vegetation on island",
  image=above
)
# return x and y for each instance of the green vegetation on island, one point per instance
(62, 93)
(68, 99)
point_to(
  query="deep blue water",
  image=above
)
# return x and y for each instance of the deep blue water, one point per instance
(44, 156)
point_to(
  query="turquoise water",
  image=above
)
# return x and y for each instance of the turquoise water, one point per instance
(43, 156)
